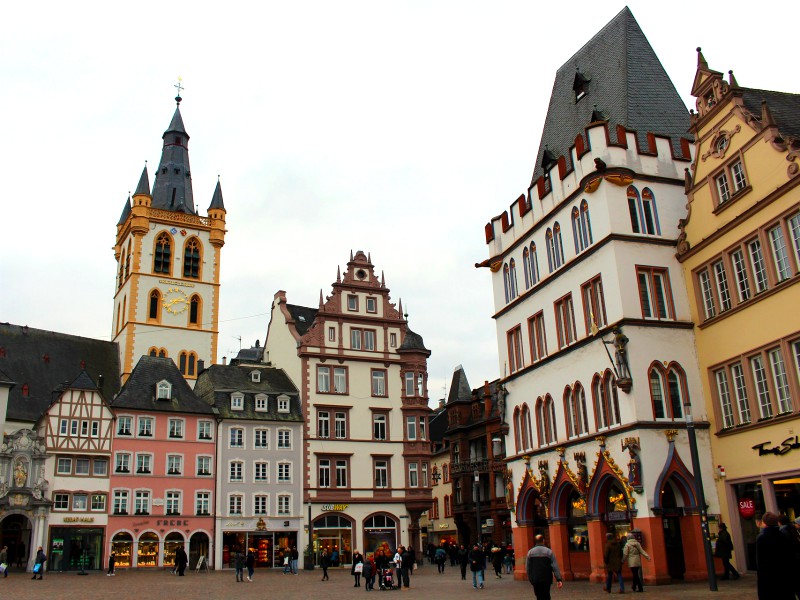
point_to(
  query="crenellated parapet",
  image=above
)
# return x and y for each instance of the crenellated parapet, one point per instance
(596, 157)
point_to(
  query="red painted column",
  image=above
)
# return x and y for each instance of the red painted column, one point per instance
(655, 571)
(523, 541)
(693, 552)
(597, 542)
(559, 544)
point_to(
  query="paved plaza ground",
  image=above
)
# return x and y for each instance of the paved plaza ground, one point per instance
(426, 584)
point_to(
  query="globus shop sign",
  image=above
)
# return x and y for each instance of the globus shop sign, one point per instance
(747, 508)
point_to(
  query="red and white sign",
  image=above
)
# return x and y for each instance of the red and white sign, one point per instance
(747, 508)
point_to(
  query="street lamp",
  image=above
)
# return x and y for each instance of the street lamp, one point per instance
(701, 499)
(309, 556)
(477, 488)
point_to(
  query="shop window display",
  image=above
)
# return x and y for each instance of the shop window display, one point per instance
(147, 550)
(171, 543)
(122, 545)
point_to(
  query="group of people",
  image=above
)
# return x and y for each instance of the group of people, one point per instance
(777, 558)
(502, 559)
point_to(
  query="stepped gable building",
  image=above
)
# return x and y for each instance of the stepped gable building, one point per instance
(362, 375)
(36, 369)
(476, 427)
(594, 326)
(260, 458)
(740, 252)
(163, 470)
(168, 265)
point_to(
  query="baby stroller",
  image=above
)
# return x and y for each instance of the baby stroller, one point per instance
(386, 579)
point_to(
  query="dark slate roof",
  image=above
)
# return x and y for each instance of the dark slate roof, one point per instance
(437, 425)
(785, 108)
(47, 361)
(139, 392)
(5, 379)
(143, 187)
(216, 384)
(216, 199)
(82, 382)
(626, 82)
(303, 317)
(172, 189)
(412, 341)
(126, 211)
(249, 355)
(459, 387)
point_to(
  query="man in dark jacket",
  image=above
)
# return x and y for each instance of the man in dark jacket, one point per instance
(463, 560)
(774, 561)
(477, 562)
(542, 566)
(724, 550)
(612, 555)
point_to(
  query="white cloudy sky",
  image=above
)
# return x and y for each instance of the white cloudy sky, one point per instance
(398, 128)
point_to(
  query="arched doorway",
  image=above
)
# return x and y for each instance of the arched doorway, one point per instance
(335, 534)
(615, 510)
(122, 547)
(380, 533)
(172, 542)
(198, 546)
(673, 543)
(147, 550)
(15, 532)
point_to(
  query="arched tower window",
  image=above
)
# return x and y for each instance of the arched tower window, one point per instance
(534, 265)
(512, 278)
(558, 245)
(154, 308)
(162, 257)
(128, 261)
(518, 430)
(551, 251)
(506, 283)
(195, 309)
(650, 213)
(187, 363)
(526, 267)
(633, 209)
(121, 269)
(191, 259)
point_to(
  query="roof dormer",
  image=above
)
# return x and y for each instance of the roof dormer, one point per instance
(237, 401)
(255, 376)
(163, 390)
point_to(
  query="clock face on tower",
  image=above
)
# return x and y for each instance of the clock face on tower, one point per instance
(175, 301)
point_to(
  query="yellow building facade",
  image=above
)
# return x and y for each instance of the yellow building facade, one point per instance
(740, 252)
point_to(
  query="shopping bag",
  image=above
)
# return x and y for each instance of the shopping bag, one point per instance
(37, 567)
(3, 567)
(359, 568)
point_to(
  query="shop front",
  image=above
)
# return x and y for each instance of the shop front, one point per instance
(75, 548)
(333, 533)
(270, 542)
(152, 543)
(380, 534)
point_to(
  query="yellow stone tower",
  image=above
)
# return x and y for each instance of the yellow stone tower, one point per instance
(166, 301)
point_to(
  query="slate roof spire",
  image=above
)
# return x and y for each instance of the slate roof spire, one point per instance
(126, 211)
(620, 72)
(143, 187)
(172, 189)
(216, 199)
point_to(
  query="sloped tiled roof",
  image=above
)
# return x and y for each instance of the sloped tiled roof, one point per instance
(412, 341)
(172, 188)
(459, 387)
(216, 384)
(139, 392)
(627, 84)
(785, 108)
(303, 317)
(46, 361)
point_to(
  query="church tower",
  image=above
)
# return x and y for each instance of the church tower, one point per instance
(168, 265)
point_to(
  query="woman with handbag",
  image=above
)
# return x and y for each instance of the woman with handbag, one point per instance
(357, 568)
(38, 565)
(633, 553)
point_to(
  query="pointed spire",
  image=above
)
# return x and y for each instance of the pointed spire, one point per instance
(732, 79)
(351, 255)
(767, 120)
(369, 257)
(143, 187)
(216, 200)
(320, 298)
(701, 61)
(338, 274)
(400, 307)
(383, 279)
(126, 211)
(172, 188)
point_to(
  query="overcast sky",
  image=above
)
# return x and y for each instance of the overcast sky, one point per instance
(397, 128)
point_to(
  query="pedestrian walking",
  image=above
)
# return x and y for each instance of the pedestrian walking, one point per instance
(508, 560)
(787, 528)
(463, 561)
(250, 563)
(497, 561)
(325, 562)
(4, 561)
(441, 558)
(181, 560)
(774, 562)
(368, 574)
(477, 563)
(238, 564)
(612, 555)
(724, 550)
(112, 563)
(38, 564)
(295, 557)
(632, 553)
(406, 565)
(541, 567)
(357, 568)
(398, 566)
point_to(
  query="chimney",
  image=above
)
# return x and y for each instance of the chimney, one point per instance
(441, 404)
(224, 360)
(100, 380)
(201, 366)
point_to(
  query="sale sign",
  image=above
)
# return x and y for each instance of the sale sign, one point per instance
(747, 508)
